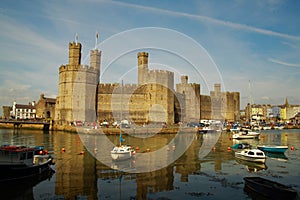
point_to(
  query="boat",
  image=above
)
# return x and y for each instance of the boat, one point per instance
(123, 151)
(246, 135)
(20, 162)
(269, 189)
(253, 155)
(278, 127)
(207, 129)
(243, 145)
(273, 148)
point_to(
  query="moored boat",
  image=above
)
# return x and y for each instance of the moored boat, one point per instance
(245, 135)
(122, 152)
(269, 189)
(19, 162)
(253, 155)
(273, 148)
(243, 145)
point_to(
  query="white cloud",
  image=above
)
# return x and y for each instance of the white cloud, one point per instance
(284, 63)
(211, 20)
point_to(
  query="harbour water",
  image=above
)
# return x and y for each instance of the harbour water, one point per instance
(206, 170)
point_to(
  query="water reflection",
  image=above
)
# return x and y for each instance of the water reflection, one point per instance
(80, 175)
(252, 166)
(24, 187)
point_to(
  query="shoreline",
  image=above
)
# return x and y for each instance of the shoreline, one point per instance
(112, 130)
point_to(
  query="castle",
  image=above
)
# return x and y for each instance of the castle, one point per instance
(153, 99)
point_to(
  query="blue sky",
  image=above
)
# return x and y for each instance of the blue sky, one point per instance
(247, 40)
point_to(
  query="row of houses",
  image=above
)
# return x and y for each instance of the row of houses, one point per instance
(43, 109)
(271, 113)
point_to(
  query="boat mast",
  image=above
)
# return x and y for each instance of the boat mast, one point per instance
(121, 109)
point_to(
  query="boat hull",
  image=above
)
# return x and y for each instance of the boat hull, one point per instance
(269, 189)
(16, 172)
(245, 135)
(120, 156)
(273, 149)
(250, 159)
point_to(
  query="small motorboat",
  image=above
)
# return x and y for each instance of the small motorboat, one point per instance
(273, 148)
(269, 189)
(243, 145)
(253, 155)
(245, 135)
(19, 162)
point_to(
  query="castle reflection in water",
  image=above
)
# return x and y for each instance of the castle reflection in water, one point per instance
(79, 173)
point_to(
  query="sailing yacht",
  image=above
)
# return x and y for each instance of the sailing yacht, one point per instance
(123, 151)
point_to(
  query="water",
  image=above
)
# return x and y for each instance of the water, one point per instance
(201, 172)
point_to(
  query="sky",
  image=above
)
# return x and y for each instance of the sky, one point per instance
(251, 47)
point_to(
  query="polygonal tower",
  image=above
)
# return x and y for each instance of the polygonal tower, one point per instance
(142, 67)
(76, 100)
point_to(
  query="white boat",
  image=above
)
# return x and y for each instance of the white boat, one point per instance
(278, 127)
(267, 128)
(253, 155)
(245, 135)
(122, 152)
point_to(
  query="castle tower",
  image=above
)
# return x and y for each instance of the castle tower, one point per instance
(142, 67)
(74, 53)
(95, 60)
(191, 92)
(77, 87)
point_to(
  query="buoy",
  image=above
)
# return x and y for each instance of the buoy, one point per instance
(46, 152)
(137, 148)
(63, 149)
(147, 150)
(40, 152)
(292, 148)
(228, 148)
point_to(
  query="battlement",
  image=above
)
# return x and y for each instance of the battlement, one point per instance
(73, 45)
(82, 68)
(160, 72)
(145, 54)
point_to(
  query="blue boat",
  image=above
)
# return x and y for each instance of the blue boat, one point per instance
(243, 145)
(273, 148)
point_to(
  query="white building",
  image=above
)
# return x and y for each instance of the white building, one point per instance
(21, 111)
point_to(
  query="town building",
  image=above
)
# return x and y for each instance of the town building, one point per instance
(23, 111)
(45, 107)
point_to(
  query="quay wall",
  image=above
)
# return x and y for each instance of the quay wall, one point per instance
(22, 126)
